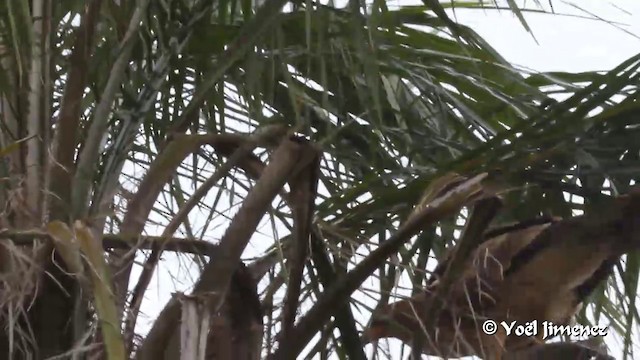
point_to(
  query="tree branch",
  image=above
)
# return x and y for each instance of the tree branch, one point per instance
(288, 159)
(303, 195)
(122, 241)
(240, 154)
(61, 170)
(333, 298)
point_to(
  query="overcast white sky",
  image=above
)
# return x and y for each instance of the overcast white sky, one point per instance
(564, 44)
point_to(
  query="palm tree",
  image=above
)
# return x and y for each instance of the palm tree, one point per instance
(120, 118)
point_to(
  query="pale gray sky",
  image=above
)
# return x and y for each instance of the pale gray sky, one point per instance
(564, 43)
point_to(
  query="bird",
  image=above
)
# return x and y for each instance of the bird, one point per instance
(537, 270)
